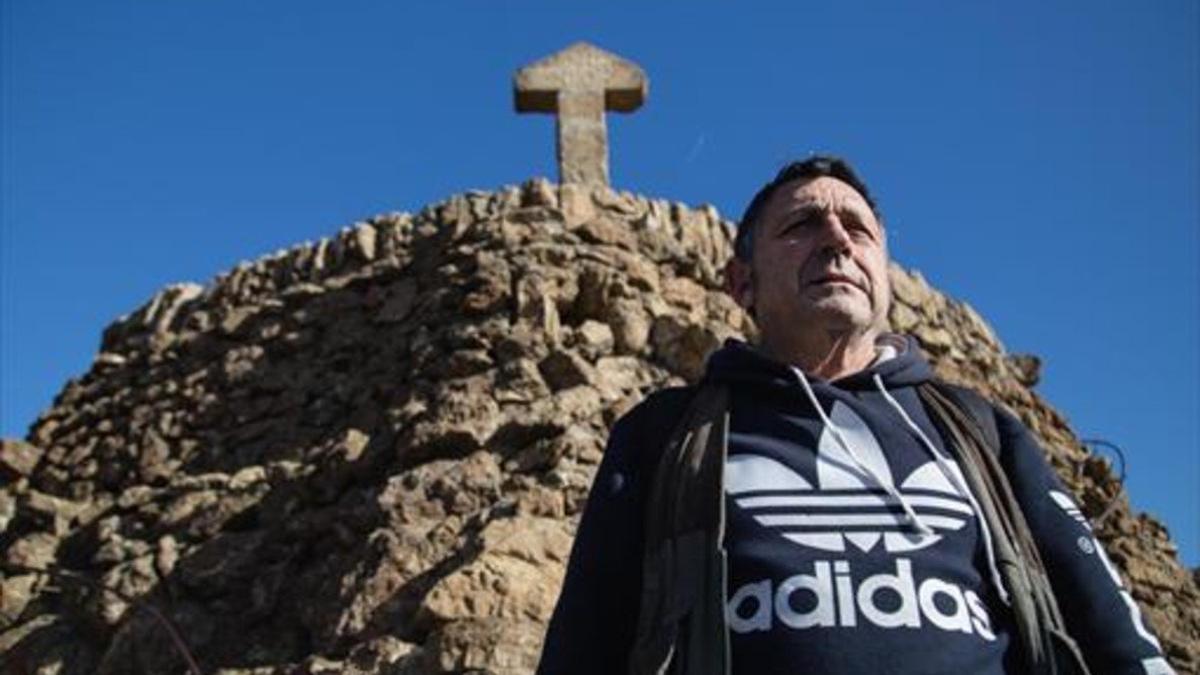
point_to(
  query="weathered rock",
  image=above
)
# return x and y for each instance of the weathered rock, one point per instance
(492, 646)
(594, 339)
(366, 455)
(683, 346)
(33, 551)
(514, 578)
(630, 326)
(1028, 368)
(8, 509)
(48, 513)
(18, 458)
(15, 593)
(399, 302)
(563, 369)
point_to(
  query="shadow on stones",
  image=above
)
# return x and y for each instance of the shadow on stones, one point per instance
(259, 543)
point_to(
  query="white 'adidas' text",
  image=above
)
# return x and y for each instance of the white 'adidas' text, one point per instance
(828, 598)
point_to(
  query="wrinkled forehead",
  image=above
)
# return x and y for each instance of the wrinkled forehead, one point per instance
(825, 193)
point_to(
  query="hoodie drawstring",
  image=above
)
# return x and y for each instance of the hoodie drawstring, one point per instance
(955, 479)
(909, 513)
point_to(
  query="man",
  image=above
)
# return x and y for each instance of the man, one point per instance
(853, 538)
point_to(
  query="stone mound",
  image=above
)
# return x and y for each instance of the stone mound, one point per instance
(368, 455)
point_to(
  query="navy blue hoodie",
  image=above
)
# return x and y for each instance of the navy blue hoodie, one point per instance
(853, 543)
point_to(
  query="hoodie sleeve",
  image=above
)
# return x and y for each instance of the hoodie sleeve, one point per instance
(1100, 613)
(592, 629)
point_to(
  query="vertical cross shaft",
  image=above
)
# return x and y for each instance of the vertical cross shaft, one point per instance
(582, 137)
(579, 84)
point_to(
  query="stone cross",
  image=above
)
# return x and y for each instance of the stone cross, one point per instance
(579, 84)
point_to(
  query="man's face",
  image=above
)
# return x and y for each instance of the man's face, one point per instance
(819, 262)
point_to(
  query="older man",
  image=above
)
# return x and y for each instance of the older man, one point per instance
(867, 518)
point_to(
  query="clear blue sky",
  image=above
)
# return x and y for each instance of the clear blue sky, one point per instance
(1038, 160)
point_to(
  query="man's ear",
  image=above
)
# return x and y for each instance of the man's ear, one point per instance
(739, 283)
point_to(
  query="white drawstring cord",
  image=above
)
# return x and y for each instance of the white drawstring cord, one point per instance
(909, 513)
(952, 476)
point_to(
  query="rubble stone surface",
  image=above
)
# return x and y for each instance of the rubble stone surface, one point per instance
(368, 454)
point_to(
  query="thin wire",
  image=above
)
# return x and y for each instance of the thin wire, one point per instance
(1112, 501)
(61, 575)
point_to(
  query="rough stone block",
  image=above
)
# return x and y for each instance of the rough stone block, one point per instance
(18, 458)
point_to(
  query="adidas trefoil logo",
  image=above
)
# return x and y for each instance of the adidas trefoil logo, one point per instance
(846, 505)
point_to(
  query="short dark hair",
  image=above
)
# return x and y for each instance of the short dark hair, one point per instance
(813, 167)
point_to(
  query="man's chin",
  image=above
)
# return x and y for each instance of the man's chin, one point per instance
(841, 311)
(835, 316)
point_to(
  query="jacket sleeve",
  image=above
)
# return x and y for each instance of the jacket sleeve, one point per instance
(592, 628)
(1099, 612)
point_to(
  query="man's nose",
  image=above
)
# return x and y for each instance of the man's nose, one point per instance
(834, 235)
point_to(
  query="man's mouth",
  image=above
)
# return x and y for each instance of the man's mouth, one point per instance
(835, 279)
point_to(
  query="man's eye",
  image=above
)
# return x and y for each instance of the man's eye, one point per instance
(857, 228)
(799, 224)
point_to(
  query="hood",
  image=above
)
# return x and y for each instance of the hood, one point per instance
(900, 364)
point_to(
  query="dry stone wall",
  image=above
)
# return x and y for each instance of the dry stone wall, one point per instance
(368, 455)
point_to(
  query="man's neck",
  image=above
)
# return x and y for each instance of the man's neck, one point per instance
(827, 355)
